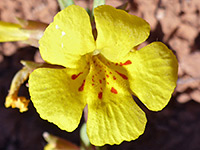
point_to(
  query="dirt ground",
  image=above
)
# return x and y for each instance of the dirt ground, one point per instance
(174, 22)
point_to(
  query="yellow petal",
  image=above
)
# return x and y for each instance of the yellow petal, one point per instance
(57, 94)
(113, 116)
(68, 37)
(118, 31)
(12, 32)
(152, 74)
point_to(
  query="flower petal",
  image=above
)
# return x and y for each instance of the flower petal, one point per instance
(113, 116)
(118, 31)
(114, 121)
(56, 96)
(152, 74)
(68, 37)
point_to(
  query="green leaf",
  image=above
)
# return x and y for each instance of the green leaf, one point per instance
(64, 3)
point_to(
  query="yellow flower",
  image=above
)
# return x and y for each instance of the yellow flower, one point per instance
(102, 74)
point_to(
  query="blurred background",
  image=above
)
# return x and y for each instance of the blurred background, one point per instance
(174, 22)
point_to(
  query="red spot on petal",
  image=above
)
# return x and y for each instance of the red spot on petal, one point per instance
(128, 62)
(122, 75)
(74, 76)
(107, 76)
(110, 72)
(107, 82)
(116, 64)
(101, 88)
(100, 81)
(114, 78)
(100, 70)
(93, 84)
(104, 78)
(113, 90)
(92, 80)
(100, 95)
(81, 88)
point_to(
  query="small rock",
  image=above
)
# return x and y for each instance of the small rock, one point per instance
(191, 64)
(195, 95)
(183, 98)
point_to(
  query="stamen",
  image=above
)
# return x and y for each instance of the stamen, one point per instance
(96, 52)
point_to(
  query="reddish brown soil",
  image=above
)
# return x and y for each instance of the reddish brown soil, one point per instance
(175, 22)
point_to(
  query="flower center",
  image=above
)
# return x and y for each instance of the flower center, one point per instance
(105, 74)
(102, 74)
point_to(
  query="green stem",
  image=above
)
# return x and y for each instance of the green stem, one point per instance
(65, 3)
